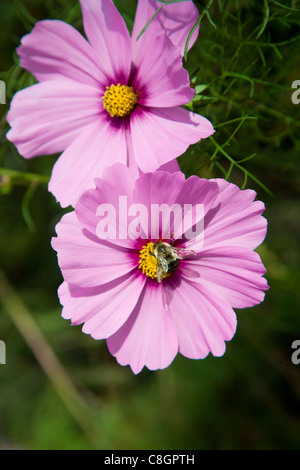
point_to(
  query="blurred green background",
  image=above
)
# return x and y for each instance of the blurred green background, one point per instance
(60, 389)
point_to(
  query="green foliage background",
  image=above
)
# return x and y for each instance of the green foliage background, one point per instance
(60, 389)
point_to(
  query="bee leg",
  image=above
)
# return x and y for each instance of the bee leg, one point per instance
(171, 238)
(150, 253)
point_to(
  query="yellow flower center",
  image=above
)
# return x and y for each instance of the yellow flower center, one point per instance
(148, 261)
(119, 100)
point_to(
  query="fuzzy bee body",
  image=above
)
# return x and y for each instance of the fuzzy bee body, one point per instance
(168, 258)
(173, 265)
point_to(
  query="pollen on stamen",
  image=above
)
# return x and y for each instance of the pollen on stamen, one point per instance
(148, 261)
(119, 100)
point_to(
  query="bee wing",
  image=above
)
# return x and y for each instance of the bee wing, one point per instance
(162, 268)
(183, 253)
(164, 265)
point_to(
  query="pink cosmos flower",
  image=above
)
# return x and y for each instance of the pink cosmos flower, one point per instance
(111, 284)
(105, 100)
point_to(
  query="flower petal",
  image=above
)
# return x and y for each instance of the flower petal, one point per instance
(148, 338)
(87, 261)
(104, 309)
(202, 318)
(235, 218)
(107, 33)
(234, 273)
(56, 50)
(171, 166)
(46, 117)
(113, 191)
(144, 11)
(176, 19)
(116, 189)
(160, 135)
(160, 77)
(98, 145)
(176, 199)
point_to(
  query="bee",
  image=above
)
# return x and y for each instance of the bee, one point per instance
(168, 257)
